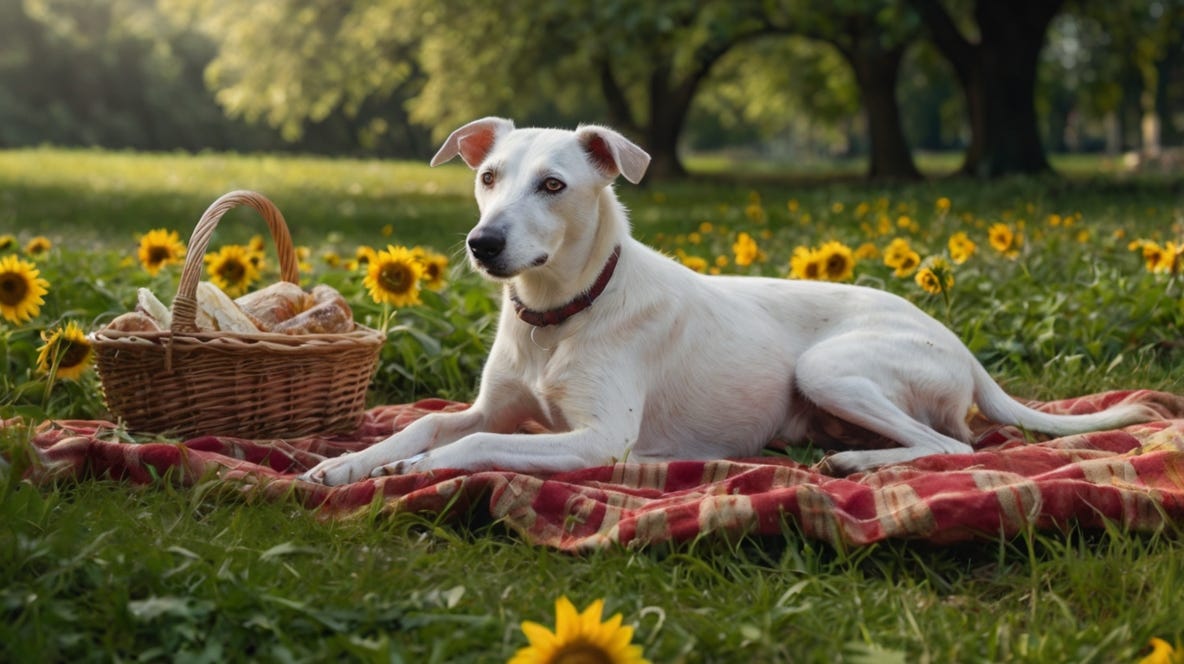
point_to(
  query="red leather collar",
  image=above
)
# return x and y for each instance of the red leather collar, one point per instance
(579, 303)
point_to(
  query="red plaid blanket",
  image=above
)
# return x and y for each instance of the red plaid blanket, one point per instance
(1133, 478)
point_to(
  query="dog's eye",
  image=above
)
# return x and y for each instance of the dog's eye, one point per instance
(487, 178)
(553, 185)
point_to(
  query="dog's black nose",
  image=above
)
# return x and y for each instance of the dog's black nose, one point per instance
(486, 245)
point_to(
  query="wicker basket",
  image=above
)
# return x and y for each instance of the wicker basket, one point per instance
(185, 382)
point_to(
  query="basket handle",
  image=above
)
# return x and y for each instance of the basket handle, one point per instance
(185, 304)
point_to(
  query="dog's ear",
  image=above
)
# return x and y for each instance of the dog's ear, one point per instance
(612, 153)
(473, 141)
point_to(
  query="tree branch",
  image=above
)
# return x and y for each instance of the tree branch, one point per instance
(945, 34)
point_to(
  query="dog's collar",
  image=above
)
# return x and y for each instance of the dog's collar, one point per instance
(579, 303)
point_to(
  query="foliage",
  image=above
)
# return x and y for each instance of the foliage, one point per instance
(74, 72)
(387, 76)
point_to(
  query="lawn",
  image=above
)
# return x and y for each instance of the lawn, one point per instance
(104, 571)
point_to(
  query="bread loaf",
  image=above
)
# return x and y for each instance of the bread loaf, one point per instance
(327, 317)
(275, 304)
(133, 321)
(227, 315)
(147, 303)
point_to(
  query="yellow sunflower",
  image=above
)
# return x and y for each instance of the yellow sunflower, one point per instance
(1163, 652)
(745, 250)
(896, 251)
(435, 267)
(906, 263)
(936, 276)
(696, 263)
(1159, 259)
(392, 277)
(364, 255)
(1173, 260)
(303, 254)
(159, 248)
(232, 268)
(1003, 239)
(21, 289)
(579, 637)
(838, 261)
(899, 256)
(961, 247)
(867, 251)
(67, 352)
(7, 242)
(806, 263)
(38, 246)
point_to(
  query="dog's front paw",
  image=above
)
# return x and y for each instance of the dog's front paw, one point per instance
(339, 470)
(413, 464)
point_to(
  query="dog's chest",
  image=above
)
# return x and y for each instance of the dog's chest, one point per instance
(552, 382)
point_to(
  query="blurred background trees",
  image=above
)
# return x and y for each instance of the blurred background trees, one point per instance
(1002, 82)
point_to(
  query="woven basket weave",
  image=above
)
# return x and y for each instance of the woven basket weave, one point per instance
(184, 382)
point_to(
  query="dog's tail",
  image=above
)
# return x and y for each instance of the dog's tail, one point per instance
(1000, 407)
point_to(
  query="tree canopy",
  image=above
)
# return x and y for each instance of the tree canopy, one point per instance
(1004, 80)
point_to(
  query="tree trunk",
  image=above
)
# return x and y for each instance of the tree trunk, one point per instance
(876, 72)
(998, 79)
(669, 105)
(1002, 92)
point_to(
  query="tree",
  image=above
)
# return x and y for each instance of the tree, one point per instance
(873, 37)
(1138, 54)
(646, 75)
(453, 60)
(782, 94)
(296, 64)
(997, 73)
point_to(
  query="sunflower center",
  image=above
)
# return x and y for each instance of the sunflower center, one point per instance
(396, 278)
(72, 354)
(580, 652)
(232, 271)
(13, 289)
(158, 254)
(836, 265)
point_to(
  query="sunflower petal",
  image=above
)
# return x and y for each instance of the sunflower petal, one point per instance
(538, 635)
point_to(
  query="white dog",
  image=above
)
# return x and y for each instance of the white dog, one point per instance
(626, 355)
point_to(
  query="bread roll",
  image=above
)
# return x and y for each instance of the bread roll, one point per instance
(330, 317)
(133, 321)
(322, 293)
(275, 304)
(226, 314)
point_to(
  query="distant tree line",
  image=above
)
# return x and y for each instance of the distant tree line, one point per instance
(1002, 80)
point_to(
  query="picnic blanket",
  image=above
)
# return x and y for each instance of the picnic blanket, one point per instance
(1132, 478)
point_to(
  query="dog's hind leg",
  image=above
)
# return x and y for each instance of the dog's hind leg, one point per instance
(859, 400)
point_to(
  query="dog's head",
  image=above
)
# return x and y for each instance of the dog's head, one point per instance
(537, 189)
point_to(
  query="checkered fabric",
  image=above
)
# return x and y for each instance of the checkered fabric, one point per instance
(1131, 478)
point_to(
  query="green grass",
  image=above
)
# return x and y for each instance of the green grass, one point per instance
(99, 570)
